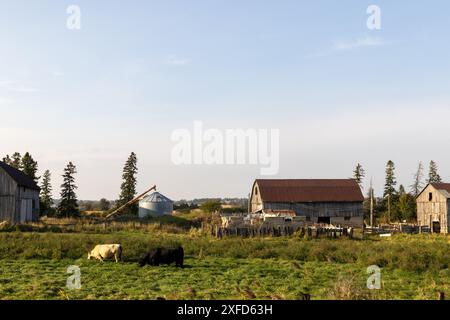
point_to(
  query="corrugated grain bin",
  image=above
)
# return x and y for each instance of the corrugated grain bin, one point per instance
(155, 205)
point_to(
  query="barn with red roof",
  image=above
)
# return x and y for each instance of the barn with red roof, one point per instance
(328, 201)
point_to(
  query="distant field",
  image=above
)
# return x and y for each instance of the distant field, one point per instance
(33, 266)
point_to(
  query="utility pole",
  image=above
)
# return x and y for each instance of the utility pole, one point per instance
(389, 208)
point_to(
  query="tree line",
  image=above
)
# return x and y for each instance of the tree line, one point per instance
(68, 205)
(397, 204)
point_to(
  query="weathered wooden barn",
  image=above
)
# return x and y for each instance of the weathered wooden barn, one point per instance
(19, 196)
(433, 207)
(329, 201)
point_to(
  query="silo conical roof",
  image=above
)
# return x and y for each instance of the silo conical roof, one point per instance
(155, 197)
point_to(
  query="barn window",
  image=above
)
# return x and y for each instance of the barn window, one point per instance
(325, 220)
(430, 196)
(347, 218)
(256, 190)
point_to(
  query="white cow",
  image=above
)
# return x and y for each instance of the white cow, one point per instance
(106, 251)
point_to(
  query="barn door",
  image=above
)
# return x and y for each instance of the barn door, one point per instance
(436, 227)
(26, 210)
(23, 211)
(29, 210)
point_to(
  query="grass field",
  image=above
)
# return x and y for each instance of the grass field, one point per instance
(33, 265)
(212, 278)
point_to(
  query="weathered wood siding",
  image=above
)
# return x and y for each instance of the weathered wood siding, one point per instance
(8, 192)
(320, 209)
(256, 201)
(433, 206)
(17, 204)
(30, 199)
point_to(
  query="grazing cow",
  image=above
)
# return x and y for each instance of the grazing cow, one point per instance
(106, 251)
(163, 256)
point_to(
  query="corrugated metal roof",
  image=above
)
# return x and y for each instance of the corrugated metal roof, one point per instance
(309, 190)
(21, 178)
(442, 186)
(155, 197)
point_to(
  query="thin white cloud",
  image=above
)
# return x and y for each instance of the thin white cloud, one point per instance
(358, 43)
(177, 61)
(58, 73)
(15, 86)
(340, 45)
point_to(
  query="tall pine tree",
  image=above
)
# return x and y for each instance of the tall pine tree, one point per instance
(417, 185)
(29, 166)
(7, 159)
(128, 187)
(391, 182)
(16, 161)
(389, 189)
(68, 206)
(358, 174)
(46, 194)
(433, 175)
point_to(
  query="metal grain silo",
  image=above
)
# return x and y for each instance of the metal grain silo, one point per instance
(155, 205)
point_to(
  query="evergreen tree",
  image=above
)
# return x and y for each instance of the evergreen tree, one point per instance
(7, 160)
(389, 186)
(69, 205)
(417, 185)
(359, 174)
(128, 187)
(405, 206)
(46, 200)
(16, 161)
(29, 166)
(433, 176)
(390, 193)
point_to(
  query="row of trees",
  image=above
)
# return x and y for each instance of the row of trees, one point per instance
(397, 204)
(68, 204)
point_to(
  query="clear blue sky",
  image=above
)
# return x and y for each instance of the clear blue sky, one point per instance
(137, 70)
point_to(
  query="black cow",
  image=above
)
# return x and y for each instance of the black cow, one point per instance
(163, 256)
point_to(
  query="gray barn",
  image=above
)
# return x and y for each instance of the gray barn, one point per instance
(329, 201)
(19, 196)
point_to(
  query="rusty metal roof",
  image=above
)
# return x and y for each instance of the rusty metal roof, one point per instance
(19, 177)
(441, 186)
(309, 190)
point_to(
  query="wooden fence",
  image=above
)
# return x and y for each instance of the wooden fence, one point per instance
(279, 231)
(398, 228)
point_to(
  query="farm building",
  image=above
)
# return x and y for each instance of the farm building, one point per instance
(337, 202)
(155, 205)
(433, 207)
(19, 196)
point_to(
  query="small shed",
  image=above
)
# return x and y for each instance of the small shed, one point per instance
(19, 196)
(433, 207)
(155, 205)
